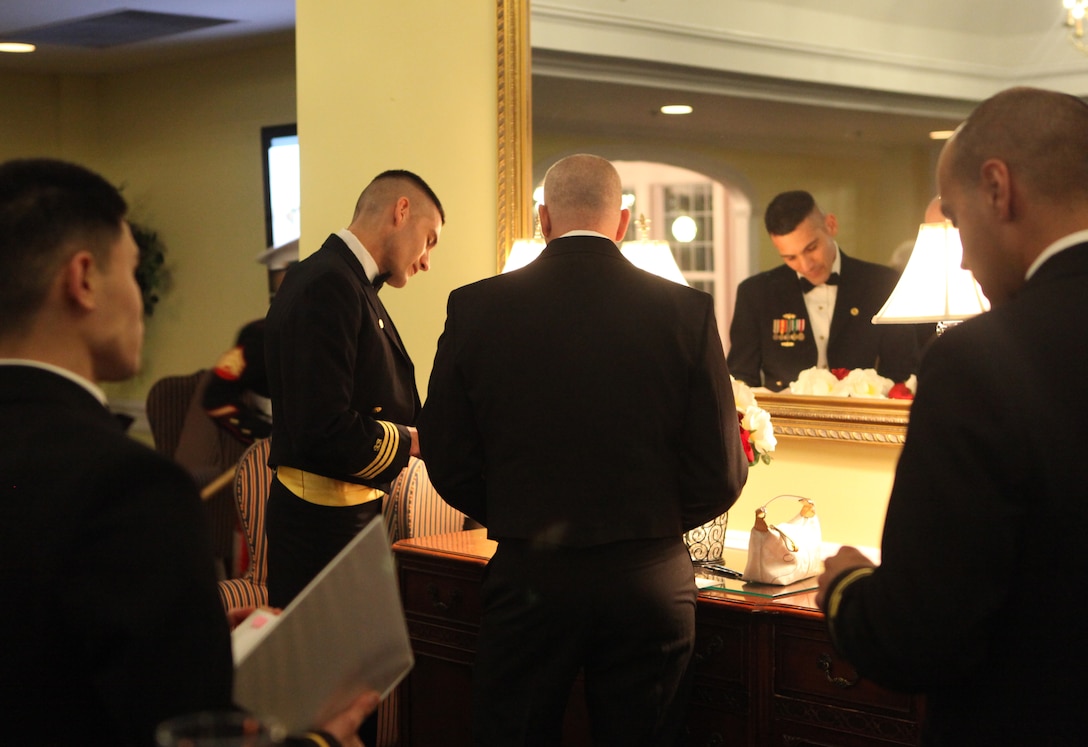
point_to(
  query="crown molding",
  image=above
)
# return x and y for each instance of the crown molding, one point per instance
(750, 59)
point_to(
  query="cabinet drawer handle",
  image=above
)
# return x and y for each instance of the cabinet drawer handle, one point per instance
(436, 599)
(824, 663)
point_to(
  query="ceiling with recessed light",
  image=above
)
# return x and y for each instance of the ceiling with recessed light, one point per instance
(840, 69)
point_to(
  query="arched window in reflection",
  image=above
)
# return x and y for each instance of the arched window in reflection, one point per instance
(705, 222)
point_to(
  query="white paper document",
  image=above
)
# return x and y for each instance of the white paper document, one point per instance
(342, 635)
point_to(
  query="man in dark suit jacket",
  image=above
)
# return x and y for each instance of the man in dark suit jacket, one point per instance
(815, 310)
(342, 385)
(976, 602)
(580, 408)
(111, 619)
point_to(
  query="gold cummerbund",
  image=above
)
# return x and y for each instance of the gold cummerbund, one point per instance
(325, 491)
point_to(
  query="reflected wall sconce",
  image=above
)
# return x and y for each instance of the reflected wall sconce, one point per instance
(933, 286)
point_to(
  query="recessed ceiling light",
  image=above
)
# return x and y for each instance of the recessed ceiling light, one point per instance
(16, 47)
(676, 109)
(941, 134)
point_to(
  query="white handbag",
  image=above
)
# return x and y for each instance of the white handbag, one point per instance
(783, 553)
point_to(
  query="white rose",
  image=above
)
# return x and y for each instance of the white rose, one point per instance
(742, 395)
(814, 382)
(757, 422)
(864, 382)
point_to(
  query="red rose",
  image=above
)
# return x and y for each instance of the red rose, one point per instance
(840, 373)
(900, 391)
(746, 442)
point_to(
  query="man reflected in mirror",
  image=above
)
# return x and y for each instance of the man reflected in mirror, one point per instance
(814, 310)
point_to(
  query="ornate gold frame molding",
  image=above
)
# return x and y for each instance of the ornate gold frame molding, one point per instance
(515, 125)
(871, 421)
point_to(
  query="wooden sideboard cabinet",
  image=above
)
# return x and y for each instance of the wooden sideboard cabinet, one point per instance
(764, 671)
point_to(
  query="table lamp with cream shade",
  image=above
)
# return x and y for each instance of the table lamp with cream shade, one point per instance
(525, 251)
(933, 286)
(643, 252)
(652, 255)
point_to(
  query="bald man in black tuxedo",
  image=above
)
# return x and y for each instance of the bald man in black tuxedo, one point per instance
(580, 408)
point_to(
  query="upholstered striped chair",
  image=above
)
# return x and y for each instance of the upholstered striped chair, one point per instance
(414, 508)
(166, 405)
(411, 509)
(252, 481)
(184, 433)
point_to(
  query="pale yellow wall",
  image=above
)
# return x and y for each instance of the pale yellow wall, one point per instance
(849, 483)
(185, 139)
(30, 123)
(371, 100)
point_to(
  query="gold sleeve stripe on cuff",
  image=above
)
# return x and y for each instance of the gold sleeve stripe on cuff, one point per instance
(387, 452)
(317, 739)
(835, 599)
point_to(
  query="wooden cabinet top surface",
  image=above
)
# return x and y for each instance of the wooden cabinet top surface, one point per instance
(472, 547)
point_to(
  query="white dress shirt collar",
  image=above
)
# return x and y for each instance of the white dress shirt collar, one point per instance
(370, 267)
(581, 232)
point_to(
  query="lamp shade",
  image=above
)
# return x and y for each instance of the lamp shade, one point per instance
(652, 255)
(933, 286)
(655, 257)
(522, 253)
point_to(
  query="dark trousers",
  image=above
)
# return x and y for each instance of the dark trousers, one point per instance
(623, 614)
(302, 538)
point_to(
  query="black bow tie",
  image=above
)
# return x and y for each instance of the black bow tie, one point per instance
(380, 278)
(806, 284)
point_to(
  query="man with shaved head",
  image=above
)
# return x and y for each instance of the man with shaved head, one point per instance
(341, 382)
(580, 408)
(976, 601)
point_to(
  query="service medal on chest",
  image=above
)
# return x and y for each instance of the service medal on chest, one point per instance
(788, 330)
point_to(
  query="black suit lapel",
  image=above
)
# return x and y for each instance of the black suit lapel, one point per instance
(384, 321)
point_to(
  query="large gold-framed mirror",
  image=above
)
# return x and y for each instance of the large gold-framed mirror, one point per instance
(846, 420)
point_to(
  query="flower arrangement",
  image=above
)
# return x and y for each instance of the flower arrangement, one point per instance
(858, 382)
(756, 431)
